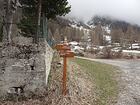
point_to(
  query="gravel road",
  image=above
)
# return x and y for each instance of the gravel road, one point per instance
(130, 77)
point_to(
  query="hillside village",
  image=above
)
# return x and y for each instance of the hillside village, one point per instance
(99, 33)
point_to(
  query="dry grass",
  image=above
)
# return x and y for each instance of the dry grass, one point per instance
(103, 76)
(88, 83)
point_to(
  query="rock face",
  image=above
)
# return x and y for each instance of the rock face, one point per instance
(24, 67)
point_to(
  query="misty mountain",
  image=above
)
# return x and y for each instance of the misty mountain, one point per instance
(104, 26)
(111, 23)
(71, 21)
(120, 31)
(72, 28)
(104, 21)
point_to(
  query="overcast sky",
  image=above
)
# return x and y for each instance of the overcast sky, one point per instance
(128, 10)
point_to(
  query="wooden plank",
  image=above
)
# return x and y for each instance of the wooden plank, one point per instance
(64, 51)
(62, 47)
(58, 46)
(67, 54)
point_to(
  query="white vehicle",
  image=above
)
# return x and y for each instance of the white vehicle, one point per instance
(135, 46)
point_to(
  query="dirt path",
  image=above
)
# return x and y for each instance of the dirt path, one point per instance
(130, 85)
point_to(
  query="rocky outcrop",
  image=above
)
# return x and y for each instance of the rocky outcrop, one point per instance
(24, 67)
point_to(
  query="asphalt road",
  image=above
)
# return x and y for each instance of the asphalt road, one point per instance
(130, 80)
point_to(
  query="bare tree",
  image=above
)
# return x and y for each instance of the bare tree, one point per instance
(97, 35)
(130, 35)
(57, 36)
(116, 35)
(10, 9)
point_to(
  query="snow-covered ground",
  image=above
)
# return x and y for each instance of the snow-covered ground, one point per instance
(107, 29)
(107, 38)
(131, 51)
(74, 43)
(75, 47)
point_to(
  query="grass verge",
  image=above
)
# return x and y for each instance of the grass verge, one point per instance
(103, 76)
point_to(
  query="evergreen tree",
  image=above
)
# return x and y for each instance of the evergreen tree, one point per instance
(49, 9)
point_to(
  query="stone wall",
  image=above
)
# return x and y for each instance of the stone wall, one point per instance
(24, 67)
(48, 60)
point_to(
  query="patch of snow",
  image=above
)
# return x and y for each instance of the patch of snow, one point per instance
(74, 26)
(92, 26)
(116, 44)
(88, 47)
(106, 28)
(131, 51)
(89, 40)
(101, 47)
(107, 37)
(80, 28)
(135, 44)
(77, 48)
(116, 49)
(73, 43)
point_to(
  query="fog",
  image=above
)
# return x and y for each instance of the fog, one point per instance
(127, 10)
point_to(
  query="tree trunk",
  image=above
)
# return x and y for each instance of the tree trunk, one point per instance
(38, 21)
(7, 26)
(8, 21)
